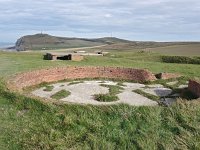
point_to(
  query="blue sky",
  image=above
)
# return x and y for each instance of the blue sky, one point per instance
(152, 20)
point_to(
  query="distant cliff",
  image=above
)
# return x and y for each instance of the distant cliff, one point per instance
(45, 41)
(48, 42)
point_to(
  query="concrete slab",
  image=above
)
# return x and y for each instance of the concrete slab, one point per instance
(183, 86)
(134, 99)
(158, 91)
(168, 101)
(155, 86)
(82, 93)
(172, 83)
(133, 86)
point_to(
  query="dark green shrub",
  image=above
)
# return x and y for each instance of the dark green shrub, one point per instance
(181, 59)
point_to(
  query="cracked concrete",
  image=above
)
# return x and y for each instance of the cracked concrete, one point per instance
(82, 93)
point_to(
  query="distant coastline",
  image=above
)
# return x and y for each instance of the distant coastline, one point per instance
(6, 44)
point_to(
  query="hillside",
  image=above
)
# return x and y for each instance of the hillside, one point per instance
(28, 123)
(48, 42)
(45, 41)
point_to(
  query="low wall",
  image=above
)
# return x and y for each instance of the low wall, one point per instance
(166, 76)
(194, 87)
(23, 80)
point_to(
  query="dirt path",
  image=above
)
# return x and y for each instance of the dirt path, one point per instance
(66, 49)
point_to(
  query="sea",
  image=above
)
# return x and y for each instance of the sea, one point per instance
(6, 46)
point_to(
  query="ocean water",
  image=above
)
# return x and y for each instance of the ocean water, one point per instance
(6, 44)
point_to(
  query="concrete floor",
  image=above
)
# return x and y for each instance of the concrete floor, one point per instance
(82, 93)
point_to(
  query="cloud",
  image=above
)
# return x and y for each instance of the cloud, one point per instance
(132, 19)
(108, 15)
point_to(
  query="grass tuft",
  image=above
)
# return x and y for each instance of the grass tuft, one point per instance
(105, 97)
(113, 89)
(75, 82)
(111, 96)
(48, 88)
(61, 94)
(150, 96)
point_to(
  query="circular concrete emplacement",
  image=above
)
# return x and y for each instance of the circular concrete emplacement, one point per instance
(82, 92)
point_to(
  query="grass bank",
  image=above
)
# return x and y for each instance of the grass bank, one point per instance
(28, 123)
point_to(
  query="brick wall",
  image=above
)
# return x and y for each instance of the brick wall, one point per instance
(77, 57)
(194, 87)
(54, 74)
(167, 75)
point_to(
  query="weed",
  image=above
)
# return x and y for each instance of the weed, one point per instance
(48, 88)
(150, 96)
(75, 82)
(111, 96)
(61, 94)
(105, 97)
(113, 89)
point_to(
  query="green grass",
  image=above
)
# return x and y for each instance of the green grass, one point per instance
(183, 93)
(11, 63)
(178, 50)
(75, 82)
(105, 97)
(113, 89)
(28, 123)
(150, 96)
(111, 96)
(52, 126)
(48, 88)
(61, 94)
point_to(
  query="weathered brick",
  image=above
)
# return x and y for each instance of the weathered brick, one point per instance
(194, 87)
(165, 75)
(71, 72)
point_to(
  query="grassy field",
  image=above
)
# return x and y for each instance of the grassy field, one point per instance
(179, 50)
(27, 123)
(11, 63)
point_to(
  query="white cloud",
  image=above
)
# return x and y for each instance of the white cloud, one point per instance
(108, 15)
(154, 19)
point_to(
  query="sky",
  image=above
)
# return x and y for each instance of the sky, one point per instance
(140, 20)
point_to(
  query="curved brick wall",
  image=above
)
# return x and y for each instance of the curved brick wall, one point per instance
(71, 72)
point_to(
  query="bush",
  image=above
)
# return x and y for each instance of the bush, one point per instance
(181, 59)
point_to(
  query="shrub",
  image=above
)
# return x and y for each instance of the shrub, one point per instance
(181, 59)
